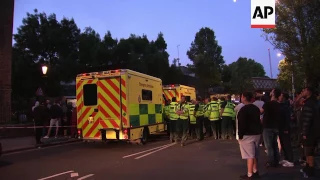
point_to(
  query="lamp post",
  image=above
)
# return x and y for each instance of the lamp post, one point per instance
(270, 63)
(178, 55)
(44, 69)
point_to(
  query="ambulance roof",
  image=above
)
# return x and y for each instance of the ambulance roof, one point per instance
(117, 72)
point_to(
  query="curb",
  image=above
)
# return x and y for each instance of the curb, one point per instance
(42, 146)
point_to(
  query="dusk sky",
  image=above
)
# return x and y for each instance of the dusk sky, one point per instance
(178, 20)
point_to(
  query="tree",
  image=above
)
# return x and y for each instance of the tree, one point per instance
(89, 50)
(140, 54)
(68, 50)
(173, 75)
(297, 35)
(205, 54)
(107, 51)
(226, 75)
(41, 39)
(158, 58)
(241, 73)
(285, 76)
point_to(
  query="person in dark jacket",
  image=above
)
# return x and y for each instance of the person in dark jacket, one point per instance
(40, 115)
(284, 130)
(249, 132)
(309, 130)
(270, 122)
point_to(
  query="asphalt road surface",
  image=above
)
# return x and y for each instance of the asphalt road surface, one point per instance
(209, 159)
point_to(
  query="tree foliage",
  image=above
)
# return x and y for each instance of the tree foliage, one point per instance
(237, 75)
(286, 68)
(42, 39)
(209, 66)
(205, 54)
(297, 35)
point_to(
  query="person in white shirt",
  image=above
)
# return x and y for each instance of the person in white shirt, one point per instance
(259, 103)
(237, 109)
(35, 105)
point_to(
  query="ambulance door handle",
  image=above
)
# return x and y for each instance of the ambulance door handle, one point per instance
(96, 110)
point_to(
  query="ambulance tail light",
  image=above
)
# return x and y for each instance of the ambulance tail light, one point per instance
(115, 71)
(125, 133)
(79, 134)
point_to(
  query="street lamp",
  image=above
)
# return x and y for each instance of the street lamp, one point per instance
(44, 69)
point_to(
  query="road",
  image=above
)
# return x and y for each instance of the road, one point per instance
(209, 159)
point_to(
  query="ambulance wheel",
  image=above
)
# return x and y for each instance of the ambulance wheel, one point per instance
(145, 136)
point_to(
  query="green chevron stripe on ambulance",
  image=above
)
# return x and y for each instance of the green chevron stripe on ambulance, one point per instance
(145, 114)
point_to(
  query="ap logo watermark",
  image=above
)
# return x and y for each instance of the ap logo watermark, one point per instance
(263, 14)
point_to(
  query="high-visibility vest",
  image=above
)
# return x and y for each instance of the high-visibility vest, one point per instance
(229, 110)
(234, 114)
(200, 110)
(206, 110)
(173, 107)
(214, 111)
(192, 118)
(166, 111)
(185, 108)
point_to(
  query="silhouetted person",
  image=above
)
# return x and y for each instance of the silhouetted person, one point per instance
(40, 114)
(56, 115)
(310, 125)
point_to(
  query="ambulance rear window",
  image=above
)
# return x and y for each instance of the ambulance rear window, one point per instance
(146, 95)
(90, 96)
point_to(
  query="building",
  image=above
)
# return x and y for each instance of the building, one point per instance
(6, 22)
(68, 89)
(187, 72)
(190, 79)
(264, 84)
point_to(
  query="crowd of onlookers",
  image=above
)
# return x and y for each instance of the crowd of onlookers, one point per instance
(280, 124)
(57, 115)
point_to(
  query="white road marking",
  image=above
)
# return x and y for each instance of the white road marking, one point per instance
(154, 151)
(146, 151)
(55, 175)
(74, 174)
(85, 177)
(37, 149)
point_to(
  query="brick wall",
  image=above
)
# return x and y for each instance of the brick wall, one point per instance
(6, 25)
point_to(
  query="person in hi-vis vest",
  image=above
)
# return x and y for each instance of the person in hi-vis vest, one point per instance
(194, 133)
(227, 113)
(199, 114)
(214, 117)
(166, 115)
(206, 120)
(183, 121)
(173, 107)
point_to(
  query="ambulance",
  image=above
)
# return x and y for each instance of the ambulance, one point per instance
(178, 90)
(118, 105)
